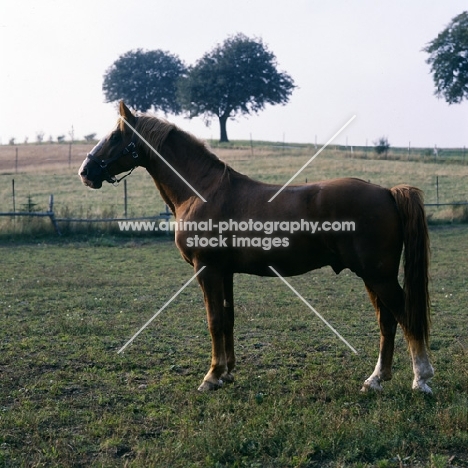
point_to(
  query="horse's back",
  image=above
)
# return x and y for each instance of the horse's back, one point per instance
(370, 205)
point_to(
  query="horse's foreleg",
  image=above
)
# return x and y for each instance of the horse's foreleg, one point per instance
(388, 326)
(211, 282)
(228, 306)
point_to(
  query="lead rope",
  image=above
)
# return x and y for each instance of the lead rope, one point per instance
(116, 181)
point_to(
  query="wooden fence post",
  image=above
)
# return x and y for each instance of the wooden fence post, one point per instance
(13, 194)
(52, 214)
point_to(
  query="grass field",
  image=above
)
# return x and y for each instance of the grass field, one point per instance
(67, 305)
(68, 399)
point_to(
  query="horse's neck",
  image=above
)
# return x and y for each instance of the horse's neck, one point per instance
(193, 163)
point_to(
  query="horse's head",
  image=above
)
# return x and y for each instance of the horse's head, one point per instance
(114, 154)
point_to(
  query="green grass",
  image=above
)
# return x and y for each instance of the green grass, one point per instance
(68, 399)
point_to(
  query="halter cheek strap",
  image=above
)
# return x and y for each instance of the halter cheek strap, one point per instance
(104, 163)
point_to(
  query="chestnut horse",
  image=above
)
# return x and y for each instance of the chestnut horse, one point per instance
(201, 189)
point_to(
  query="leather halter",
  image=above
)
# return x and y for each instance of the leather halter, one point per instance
(104, 163)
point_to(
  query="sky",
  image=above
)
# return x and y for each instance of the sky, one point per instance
(347, 57)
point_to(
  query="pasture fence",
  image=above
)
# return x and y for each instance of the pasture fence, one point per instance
(50, 213)
(47, 214)
(425, 155)
(163, 216)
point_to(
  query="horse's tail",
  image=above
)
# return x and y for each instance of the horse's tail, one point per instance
(410, 205)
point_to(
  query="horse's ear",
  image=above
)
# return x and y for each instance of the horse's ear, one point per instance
(126, 113)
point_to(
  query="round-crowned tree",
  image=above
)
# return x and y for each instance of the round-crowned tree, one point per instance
(448, 58)
(239, 76)
(145, 80)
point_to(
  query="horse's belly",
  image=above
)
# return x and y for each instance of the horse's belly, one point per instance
(289, 262)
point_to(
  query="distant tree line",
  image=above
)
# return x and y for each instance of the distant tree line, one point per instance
(40, 135)
(239, 76)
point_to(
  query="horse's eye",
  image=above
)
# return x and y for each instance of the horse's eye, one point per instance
(114, 137)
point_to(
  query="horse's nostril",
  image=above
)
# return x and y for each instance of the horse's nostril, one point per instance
(84, 172)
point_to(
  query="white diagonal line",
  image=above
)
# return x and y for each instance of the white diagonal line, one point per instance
(312, 309)
(312, 158)
(162, 159)
(161, 309)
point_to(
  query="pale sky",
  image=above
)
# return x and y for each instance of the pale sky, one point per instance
(347, 57)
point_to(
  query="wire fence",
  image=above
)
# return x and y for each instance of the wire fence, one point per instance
(56, 222)
(163, 216)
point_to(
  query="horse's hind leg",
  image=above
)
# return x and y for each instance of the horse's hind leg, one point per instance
(422, 368)
(391, 301)
(388, 325)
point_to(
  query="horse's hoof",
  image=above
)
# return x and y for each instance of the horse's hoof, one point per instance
(372, 384)
(227, 378)
(421, 386)
(208, 386)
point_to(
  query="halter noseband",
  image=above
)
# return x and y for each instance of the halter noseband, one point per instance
(104, 163)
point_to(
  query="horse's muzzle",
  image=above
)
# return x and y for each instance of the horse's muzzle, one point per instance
(91, 174)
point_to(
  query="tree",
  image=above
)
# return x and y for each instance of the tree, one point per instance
(90, 137)
(449, 60)
(145, 79)
(239, 76)
(381, 146)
